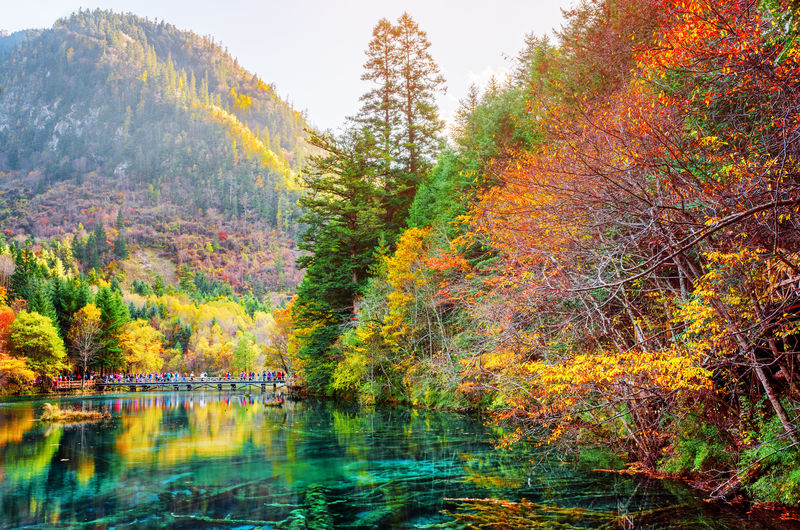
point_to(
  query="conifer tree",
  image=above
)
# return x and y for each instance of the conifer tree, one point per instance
(120, 248)
(101, 238)
(360, 189)
(91, 253)
(380, 105)
(344, 218)
(400, 112)
(69, 295)
(41, 298)
(113, 316)
(419, 82)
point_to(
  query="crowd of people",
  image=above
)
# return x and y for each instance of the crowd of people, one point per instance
(268, 376)
(174, 377)
(72, 377)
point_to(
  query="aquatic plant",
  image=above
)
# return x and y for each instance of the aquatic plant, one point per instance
(57, 414)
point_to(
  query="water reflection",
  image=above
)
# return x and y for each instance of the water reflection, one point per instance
(217, 460)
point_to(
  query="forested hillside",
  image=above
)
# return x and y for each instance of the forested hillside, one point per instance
(109, 116)
(607, 255)
(148, 204)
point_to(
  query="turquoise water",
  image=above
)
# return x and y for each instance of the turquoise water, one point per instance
(217, 460)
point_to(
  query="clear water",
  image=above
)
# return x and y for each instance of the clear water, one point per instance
(218, 460)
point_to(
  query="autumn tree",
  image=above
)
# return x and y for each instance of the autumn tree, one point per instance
(84, 335)
(7, 316)
(141, 347)
(282, 344)
(6, 268)
(14, 373)
(34, 337)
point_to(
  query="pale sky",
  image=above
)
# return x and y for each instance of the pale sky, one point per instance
(313, 50)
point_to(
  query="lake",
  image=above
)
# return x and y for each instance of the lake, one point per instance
(225, 460)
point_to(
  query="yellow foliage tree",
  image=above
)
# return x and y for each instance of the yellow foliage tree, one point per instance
(142, 346)
(14, 374)
(282, 343)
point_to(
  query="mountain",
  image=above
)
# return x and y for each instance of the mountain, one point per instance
(159, 137)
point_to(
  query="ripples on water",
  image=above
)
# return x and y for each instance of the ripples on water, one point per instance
(217, 460)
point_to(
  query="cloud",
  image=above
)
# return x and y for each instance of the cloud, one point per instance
(481, 79)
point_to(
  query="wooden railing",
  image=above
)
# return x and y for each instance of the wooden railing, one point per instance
(71, 385)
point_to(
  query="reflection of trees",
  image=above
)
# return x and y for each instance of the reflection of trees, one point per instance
(186, 454)
(31, 458)
(13, 426)
(25, 464)
(138, 434)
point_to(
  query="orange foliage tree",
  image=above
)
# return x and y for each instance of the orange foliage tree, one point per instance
(609, 231)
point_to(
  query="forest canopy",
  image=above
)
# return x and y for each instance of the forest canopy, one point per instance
(606, 253)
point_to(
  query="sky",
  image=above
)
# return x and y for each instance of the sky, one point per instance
(312, 51)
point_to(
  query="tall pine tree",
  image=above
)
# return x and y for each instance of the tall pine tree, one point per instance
(343, 216)
(400, 112)
(360, 189)
(113, 316)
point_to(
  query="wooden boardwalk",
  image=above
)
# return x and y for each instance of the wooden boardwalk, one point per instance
(197, 383)
(72, 385)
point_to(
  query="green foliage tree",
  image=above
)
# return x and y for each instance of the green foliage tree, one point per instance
(101, 238)
(91, 253)
(113, 315)
(34, 337)
(24, 269)
(361, 187)
(344, 218)
(245, 354)
(69, 296)
(158, 285)
(419, 81)
(400, 112)
(41, 298)
(121, 248)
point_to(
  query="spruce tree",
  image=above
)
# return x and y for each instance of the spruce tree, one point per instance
(360, 188)
(41, 298)
(92, 253)
(113, 316)
(419, 82)
(380, 105)
(400, 112)
(120, 220)
(101, 238)
(343, 215)
(120, 248)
